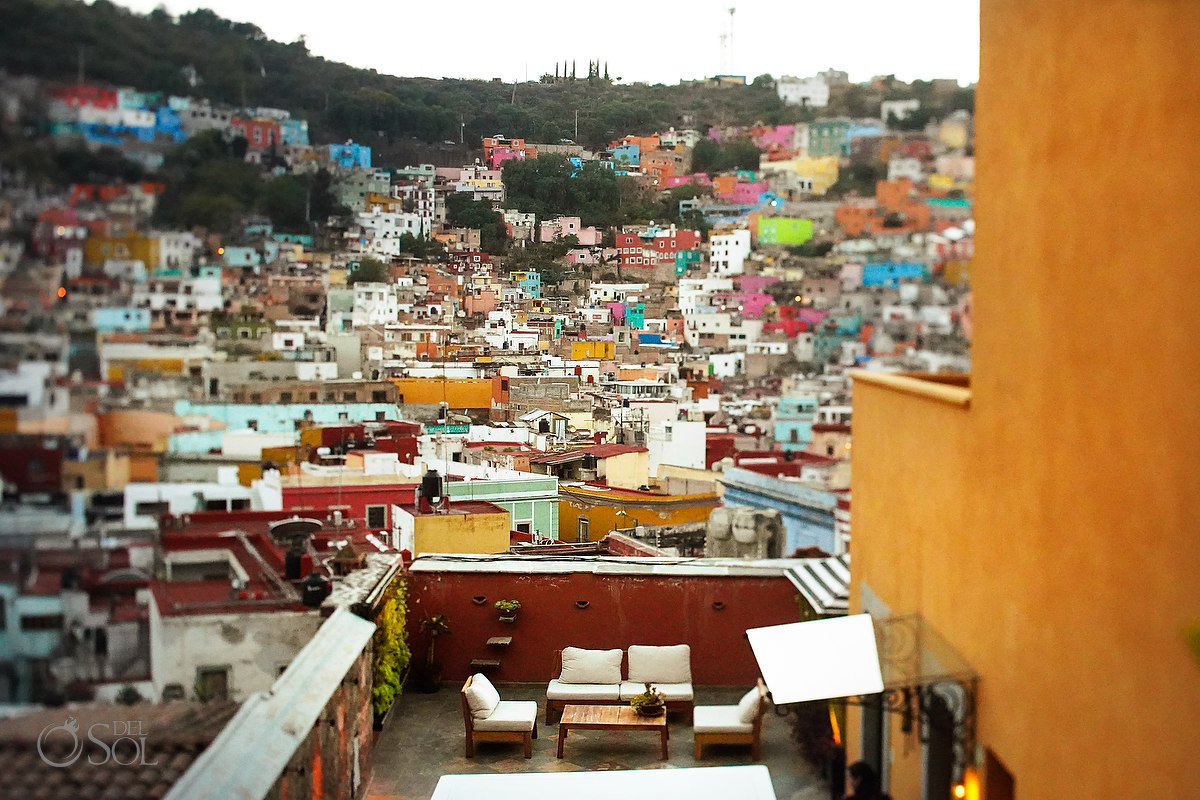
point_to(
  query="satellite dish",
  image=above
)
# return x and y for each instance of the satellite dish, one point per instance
(296, 526)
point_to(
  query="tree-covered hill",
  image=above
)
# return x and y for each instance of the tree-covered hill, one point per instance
(203, 55)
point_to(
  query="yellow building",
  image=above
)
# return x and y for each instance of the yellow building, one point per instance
(1051, 538)
(591, 349)
(131, 246)
(588, 513)
(822, 170)
(472, 526)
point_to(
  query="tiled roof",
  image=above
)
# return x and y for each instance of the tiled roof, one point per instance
(175, 733)
(598, 451)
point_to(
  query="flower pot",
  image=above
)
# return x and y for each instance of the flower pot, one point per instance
(655, 710)
(509, 618)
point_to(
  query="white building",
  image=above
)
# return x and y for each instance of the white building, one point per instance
(180, 294)
(677, 443)
(728, 252)
(381, 230)
(905, 168)
(614, 292)
(812, 92)
(374, 304)
(696, 294)
(176, 249)
(898, 108)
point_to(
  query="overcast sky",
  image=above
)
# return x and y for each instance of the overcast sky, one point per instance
(659, 43)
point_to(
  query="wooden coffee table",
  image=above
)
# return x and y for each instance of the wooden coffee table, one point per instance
(609, 718)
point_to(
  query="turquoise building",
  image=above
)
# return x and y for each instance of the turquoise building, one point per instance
(794, 420)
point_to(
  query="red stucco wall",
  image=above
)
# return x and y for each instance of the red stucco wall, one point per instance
(622, 610)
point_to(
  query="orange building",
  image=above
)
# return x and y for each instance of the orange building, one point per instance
(458, 393)
(1050, 548)
(130, 246)
(587, 513)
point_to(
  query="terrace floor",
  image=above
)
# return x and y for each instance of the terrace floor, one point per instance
(423, 740)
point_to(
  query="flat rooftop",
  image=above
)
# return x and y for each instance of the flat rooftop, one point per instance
(423, 739)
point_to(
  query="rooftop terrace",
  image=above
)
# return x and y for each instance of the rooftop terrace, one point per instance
(423, 740)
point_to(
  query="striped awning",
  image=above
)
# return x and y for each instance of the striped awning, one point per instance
(824, 583)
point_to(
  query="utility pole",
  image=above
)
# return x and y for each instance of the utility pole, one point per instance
(577, 126)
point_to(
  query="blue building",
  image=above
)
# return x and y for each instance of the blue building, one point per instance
(890, 273)
(294, 131)
(241, 257)
(123, 320)
(629, 155)
(350, 155)
(635, 315)
(281, 418)
(808, 514)
(794, 420)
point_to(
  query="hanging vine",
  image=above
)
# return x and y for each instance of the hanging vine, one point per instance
(392, 653)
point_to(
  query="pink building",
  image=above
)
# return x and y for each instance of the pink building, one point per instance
(502, 154)
(617, 310)
(746, 193)
(781, 136)
(698, 178)
(748, 304)
(754, 283)
(851, 277)
(482, 303)
(568, 226)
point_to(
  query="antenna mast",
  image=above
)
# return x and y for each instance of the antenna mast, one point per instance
(731, 11)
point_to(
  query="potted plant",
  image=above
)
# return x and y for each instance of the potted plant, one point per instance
(434, 626)
(508, 609)
(650, 703)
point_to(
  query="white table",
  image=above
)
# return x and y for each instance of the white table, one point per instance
(694, 783)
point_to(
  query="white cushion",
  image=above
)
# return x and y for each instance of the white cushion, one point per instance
(482, 697)
(672, 692)
(719, 719)
(670, 664)
(748, 706)
(557, 690)
(509, 715)
(590, 666)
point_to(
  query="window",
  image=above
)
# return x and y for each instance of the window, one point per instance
(285, 397)
(583, 530)
(252, 424)
(376, 516)
(212, 683)
(42, 622)
(343, 416)
(151, 509)
(350, 397)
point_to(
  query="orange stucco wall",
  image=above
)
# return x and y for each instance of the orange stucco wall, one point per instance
(1051, 535)
(461, 393)
(602, 516)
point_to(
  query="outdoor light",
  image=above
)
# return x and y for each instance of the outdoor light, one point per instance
(960, 791)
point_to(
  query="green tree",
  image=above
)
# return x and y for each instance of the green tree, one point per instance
(464, 212)
(370, 270)
(284, 201)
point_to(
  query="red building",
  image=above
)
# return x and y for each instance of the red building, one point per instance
(655, 247)
(83, 95)
(359, 504)
(260, 133)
